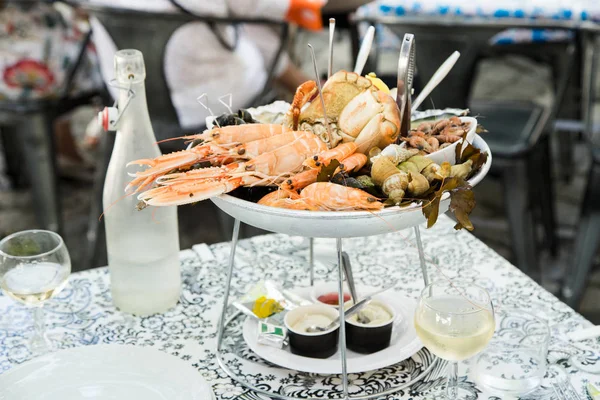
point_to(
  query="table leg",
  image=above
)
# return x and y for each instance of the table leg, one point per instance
(587, 242)
(311, 260)
(421, 255)
(588, 81)
(342, 319)
(234, 241)
(35, 135)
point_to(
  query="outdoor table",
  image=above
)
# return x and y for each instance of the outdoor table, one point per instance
(83, 314)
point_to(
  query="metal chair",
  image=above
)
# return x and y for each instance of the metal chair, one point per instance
(518, 134)
(587, 239)
(28, 134)
(150, 34)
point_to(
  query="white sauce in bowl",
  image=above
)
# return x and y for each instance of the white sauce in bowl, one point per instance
(375, 313)
(307, 320)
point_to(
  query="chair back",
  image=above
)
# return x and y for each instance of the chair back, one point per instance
(434, 45)
(435, 42)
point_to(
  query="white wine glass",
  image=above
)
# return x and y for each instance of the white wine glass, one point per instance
(34, 266)
(455, 321)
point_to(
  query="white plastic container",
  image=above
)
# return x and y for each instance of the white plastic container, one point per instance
(142, 246)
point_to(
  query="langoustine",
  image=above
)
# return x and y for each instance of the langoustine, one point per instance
(268, 168)
(215, 147)
(209, 154)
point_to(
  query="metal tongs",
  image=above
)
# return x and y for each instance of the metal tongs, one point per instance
(406, 71)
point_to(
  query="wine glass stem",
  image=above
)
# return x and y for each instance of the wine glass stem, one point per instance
(39, 340)
(452, 380)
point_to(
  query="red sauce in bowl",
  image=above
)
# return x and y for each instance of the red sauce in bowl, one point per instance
(332, 298)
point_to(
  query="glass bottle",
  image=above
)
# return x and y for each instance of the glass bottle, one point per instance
(143, 246)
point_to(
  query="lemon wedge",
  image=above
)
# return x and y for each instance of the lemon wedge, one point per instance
(378, 83)
(264, 307)
(593, 391)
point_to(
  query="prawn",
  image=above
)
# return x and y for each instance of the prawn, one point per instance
(324, 196)
(354, 162)
(334, 197)
(286, 199)
(339, 152)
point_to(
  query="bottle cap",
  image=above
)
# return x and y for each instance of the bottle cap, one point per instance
(129, 66)
(108, 117)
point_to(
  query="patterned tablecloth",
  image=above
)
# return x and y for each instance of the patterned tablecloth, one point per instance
(82, 314)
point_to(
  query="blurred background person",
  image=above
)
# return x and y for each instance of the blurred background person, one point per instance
(39, 43)
(217, 60)
(40, 66)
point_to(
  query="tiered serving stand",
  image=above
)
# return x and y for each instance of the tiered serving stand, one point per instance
(336, 225)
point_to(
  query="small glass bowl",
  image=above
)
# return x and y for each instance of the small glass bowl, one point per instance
(515, 361)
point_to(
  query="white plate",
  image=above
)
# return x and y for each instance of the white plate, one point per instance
(403, 345)
(334, 224)
(106, 372)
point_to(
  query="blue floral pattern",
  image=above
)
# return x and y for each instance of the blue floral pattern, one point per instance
(82, 314)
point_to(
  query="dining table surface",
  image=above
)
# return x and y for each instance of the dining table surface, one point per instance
(82, 314)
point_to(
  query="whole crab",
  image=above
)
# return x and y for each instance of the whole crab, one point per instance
(356, 111)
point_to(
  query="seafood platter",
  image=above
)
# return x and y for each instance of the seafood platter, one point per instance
(345, 159)
(340, 167)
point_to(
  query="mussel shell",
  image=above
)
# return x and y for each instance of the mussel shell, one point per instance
(246, 116)
(229, 119)
(254, 193)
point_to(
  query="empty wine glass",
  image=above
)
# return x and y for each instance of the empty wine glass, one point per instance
(34, 266)
(455, 321)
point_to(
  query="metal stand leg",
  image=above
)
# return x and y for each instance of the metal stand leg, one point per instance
(342, 319)
(421, 255)
(234, 240)
(311, 260)
(224, 322)
(226, 223)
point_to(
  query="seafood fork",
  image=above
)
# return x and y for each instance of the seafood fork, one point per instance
(564, 390)
(561, 384)
(406, 71)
